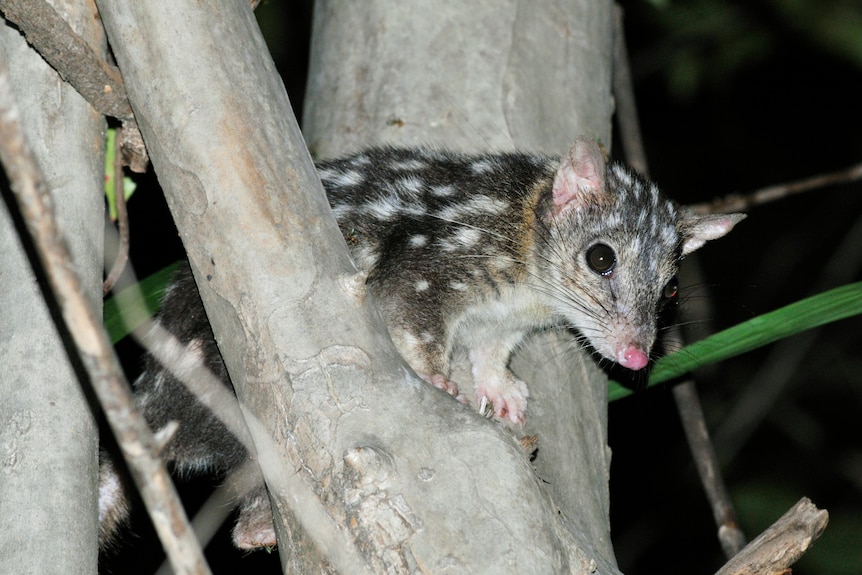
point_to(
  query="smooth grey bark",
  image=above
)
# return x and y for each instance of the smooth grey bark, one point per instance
(372, 470)
(475, 76)
(48, 435)
(472, 75)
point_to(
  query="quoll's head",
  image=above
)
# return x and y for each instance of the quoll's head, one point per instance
(612, 247)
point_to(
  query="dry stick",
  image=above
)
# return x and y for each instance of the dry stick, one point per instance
(97, 81)
(624, 96)
(782, 544)
(685, 394)
(100, 83)
(95, 350)
(742, 202)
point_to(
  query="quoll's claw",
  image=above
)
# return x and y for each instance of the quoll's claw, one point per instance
(440, 382)
(507, 395)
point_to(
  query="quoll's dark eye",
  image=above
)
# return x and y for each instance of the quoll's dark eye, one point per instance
(671, 288)
(601, 259)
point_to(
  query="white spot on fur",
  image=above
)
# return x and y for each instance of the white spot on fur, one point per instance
(443, 191)
(409, 165)
(326, 174)
(482, 166)
(422, 285)
(384, 208)
(418, 241)
(458, 286)
(480, 204)
(342, 179)
(366, 257)
(623, 175)
(412, 185)
(501, 263)
(341, 210)
(462, 239)
(426, 337)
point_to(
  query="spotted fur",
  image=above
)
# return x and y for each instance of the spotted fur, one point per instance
(469, 252)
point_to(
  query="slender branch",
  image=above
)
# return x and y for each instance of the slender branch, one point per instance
(685, 394)
(97, 81)
(96, 354)
(730, 535)
(743, 202)
(624, 96)
(782, 544)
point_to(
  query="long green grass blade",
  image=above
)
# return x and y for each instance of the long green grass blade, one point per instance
(147, 292)
(827, 307)
(834, 305)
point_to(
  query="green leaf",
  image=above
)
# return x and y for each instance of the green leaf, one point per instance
(836, 304)
(132, 306)
(129, 184)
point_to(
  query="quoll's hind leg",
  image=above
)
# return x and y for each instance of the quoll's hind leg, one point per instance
(495, 384)
(423, 350)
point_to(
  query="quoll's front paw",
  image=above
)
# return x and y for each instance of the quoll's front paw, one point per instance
(507, 395)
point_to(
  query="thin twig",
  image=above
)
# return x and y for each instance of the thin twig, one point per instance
(782, 544)
(685, 394)
(730, 536)
(743, 202)
(96, 353)
(624, 97)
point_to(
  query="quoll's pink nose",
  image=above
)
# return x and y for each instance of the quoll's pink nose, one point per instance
(632, 358)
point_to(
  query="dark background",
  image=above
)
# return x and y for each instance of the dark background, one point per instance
(732, 96)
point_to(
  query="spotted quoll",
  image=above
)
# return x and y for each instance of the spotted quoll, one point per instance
(470, 252)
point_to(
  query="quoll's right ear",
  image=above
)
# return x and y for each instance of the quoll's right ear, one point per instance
(697, 230)
(580, 179)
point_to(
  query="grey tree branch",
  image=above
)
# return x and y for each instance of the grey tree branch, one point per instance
(46, 423)
(782, 544)
(744, 202)
(92, 343)
(96, 80)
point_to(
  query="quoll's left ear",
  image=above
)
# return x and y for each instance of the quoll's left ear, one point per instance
(697, 230)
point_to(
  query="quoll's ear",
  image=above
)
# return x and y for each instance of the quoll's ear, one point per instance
(580, 179)
(697, 230)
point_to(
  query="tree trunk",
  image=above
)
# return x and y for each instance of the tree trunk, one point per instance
(369, 469)
(475, 76)
(47, 431)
